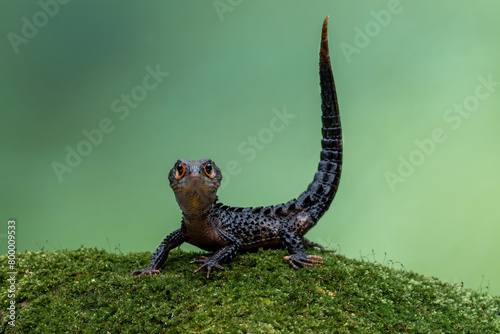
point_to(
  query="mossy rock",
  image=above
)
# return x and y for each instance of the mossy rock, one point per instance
(89, 290)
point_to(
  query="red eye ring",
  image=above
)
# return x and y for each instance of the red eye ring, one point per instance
(180, 170)
(209, 169)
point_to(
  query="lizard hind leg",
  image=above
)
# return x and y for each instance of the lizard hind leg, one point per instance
(298, 258)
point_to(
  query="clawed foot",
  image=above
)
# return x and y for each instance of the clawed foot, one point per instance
(298, 261)
(148, 271)
(311, 244)
(208, 263)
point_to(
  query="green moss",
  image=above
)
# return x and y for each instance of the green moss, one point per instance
(90, 290)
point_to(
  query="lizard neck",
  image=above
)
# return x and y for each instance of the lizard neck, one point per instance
(201, 231)
(196, 217)
(195, 208)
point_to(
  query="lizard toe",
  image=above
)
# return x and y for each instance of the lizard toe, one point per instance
(311, 244)
(208, 263)
(298, 261)
(202, 259)
(148, 271)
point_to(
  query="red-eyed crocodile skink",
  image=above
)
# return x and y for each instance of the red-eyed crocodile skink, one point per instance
(227, 231)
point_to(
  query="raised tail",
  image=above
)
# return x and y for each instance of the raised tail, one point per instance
(319, 194)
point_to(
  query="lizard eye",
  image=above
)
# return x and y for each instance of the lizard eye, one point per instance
(180, 169)
(209, 170)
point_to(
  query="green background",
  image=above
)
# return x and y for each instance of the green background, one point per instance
(228, 71)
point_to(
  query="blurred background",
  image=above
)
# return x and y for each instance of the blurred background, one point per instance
(98, 100)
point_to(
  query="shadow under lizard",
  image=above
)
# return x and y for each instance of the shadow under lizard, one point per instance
(228, 231)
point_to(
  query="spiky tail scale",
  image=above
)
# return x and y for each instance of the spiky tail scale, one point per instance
(319, 194)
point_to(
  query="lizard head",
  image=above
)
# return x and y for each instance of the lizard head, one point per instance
(195, 184)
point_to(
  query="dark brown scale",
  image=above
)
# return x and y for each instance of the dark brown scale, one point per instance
(226, 230)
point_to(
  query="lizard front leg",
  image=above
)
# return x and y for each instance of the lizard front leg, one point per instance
(159, 257)
(223, 255)
(298, 257)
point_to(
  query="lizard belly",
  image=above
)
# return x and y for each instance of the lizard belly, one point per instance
(273, 242)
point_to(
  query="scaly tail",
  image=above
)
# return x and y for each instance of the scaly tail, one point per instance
(319, 194)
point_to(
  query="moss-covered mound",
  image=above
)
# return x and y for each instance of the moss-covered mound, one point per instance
(89, 290)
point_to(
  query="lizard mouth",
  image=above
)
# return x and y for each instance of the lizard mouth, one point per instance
(195, 194)
(195, 184)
